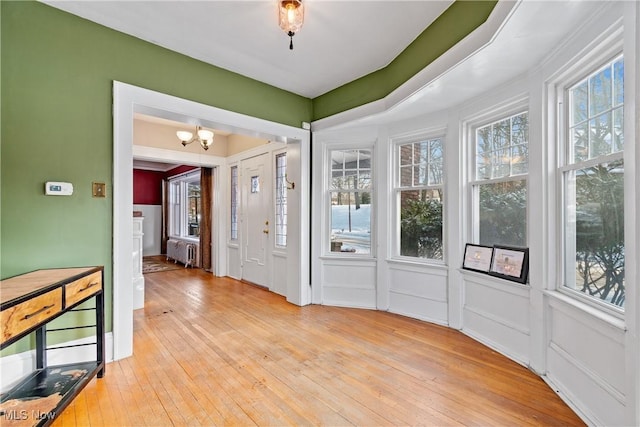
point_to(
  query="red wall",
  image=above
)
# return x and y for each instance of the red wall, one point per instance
(147, 187)
(178, 170)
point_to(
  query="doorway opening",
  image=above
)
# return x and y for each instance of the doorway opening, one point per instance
(130, 100)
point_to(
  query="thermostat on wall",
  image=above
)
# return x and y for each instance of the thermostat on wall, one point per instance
(52, 188)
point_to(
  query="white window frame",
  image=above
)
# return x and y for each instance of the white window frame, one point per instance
(180, 182)
(280, 184)
(396, 142)
(598, 57)
(493, 115)
(326, 235)
(234, 203)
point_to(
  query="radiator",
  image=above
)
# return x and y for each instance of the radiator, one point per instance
(180, 251)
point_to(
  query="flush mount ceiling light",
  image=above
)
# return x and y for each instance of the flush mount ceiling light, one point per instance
(290, 17)
(203, 136)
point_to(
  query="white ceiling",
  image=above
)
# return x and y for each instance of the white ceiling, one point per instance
(339, 42)
(344, 40)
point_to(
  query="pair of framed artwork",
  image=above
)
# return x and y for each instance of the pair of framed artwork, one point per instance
(507, 262)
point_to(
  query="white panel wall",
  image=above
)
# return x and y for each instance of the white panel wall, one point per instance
(418, 292)
(279, 271)
(585, 360)
(151, 227)
(350, 283)
(497, 314)
(233, 261)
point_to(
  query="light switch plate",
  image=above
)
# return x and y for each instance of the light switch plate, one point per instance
(99, 189)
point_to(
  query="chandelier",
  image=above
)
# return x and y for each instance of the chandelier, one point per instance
(290, 17)
(203, 136)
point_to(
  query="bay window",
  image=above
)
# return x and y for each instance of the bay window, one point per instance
(350, 190)
(592, 179)
(185, 207)
(500, 181)
(419, 198)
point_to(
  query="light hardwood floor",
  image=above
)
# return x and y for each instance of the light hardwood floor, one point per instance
(215, 351)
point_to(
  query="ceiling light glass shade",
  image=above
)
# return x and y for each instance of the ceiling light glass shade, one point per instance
(203, 136)
(184, 136)
(290, 15)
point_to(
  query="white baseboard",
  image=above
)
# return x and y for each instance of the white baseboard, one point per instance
(15, 367)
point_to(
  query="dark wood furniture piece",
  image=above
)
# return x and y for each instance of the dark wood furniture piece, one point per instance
(28, 303)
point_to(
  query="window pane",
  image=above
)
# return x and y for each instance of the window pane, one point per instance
(594, 232)
(281, 200)
(618, 130)
(579, 96)
(501, 134)
(175, 209)
(618, 82)
(421, 223)
(600, 92)
(193, 209)
(494, 152)
(602, 111)
(435, 173)
(364, 159)
(580, 142)
(503, 213)
(435, 150)
(406, 176)
(600, 134)
(351, 222)
(234, 203)
(483, 167)
(405, 154)
(351, 169)
(501, 166)
(364, 180)
(420, 175)
(337, 160)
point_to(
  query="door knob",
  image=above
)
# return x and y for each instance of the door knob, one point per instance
(265, 231)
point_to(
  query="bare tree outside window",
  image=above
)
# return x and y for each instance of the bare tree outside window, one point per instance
(594, 186)
(500, 186)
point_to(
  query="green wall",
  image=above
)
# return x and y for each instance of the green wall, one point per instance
(56, 86)
(56, 97)
(458, 21)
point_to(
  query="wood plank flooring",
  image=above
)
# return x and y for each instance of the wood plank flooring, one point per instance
(215, 351)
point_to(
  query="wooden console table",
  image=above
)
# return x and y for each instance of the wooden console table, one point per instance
(28, 303)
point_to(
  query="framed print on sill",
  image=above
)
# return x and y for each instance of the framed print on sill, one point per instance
(510, 263)
(477, 258)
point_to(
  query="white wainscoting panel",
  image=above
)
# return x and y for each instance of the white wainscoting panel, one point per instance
(279, 280)
(349, 283)
(233, 261)
(496, 313)
(151, 227)
(419, 292)
(586, 362)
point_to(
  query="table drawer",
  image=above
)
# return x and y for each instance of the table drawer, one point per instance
(28, 314)
(82, 288)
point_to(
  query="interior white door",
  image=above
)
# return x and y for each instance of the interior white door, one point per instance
(256, 198)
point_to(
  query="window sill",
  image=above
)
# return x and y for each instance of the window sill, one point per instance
(427, 263)
(610, 318)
